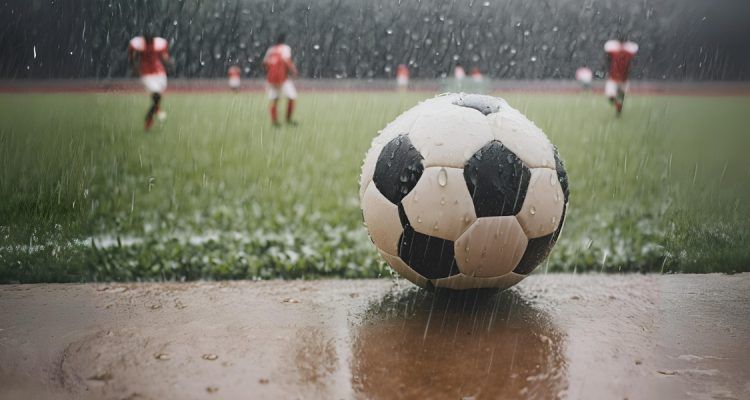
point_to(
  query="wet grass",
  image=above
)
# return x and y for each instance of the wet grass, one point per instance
(217, 193)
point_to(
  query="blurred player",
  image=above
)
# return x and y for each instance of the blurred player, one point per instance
(476, 75)
(459, 73)
(402, 76)
(584, 77)
(619, 56)
(279, 66)
(234, 78)
(148, 55)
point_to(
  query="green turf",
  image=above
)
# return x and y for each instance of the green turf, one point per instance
(217, 193)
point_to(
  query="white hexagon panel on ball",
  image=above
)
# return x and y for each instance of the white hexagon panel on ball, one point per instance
(490, 247)
(462, 282)
(543, 207)
(440, 205)
(381, 217)
(522, 137)
(433, 134)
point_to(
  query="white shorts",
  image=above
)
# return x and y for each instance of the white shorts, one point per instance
(611, 87)
(402, 80)
(155, 83)
(234, 83)
(287, 89)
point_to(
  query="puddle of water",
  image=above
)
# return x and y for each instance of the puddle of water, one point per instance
(568, 336)
(456, 345)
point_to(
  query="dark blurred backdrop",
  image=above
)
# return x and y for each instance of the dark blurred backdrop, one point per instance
(679, 39)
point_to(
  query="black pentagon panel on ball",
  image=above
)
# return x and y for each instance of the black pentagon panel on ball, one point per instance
(538, 249)
(497, 180)
(398, 169)
(402, 215)
(429, 256)
(562, 175)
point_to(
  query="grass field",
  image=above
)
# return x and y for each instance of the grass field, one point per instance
(85, 194)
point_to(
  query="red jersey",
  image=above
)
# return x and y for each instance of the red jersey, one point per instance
(620, 56)
(151, 55)
(277, 61)
(402, 71)
(234, 72)
(476, 74)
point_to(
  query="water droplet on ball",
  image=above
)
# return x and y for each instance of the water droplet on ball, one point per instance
(532, 211)
(442, 177)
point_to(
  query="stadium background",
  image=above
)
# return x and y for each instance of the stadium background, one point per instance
(506, 39)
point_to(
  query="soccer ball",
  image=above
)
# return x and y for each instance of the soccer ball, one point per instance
(463, 191)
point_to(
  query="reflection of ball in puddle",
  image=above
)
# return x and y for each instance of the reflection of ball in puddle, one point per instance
(454, 345)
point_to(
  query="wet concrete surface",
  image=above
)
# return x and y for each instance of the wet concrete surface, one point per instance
(552, 336)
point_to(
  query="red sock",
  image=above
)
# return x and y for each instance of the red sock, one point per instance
(289, 109)
(273, 112)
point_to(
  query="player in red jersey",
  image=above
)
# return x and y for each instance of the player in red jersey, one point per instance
(476, 74)
(402, 77)
(279, 66)
(459, 73)
(619, 56)
(584, 76)
(234, 77)
(148, 55)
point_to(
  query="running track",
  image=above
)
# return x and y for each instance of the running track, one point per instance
(351, 85)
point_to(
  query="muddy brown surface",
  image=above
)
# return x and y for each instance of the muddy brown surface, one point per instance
(552, 336)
